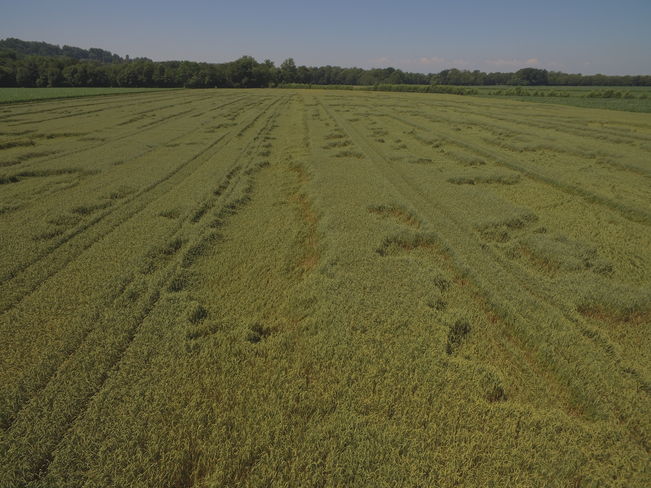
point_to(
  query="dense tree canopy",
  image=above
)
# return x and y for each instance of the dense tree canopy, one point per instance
(39, 64)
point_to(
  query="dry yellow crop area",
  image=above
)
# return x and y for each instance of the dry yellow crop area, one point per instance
(207, 288)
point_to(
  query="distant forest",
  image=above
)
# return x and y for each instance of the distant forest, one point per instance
(39, 64)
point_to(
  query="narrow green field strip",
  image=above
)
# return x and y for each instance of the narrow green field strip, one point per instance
(47, 106)
(624, 105)
(17, 95)
(17, 113)
(573, 96)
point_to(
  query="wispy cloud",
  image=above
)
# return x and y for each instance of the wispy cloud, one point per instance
(512, 63)
(381, 61)
(460, 63)
(434, 62)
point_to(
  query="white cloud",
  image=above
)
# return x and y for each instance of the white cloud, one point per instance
(512, 63)
(460, 63)
(381, 61)
(501, 63)
(433, 60)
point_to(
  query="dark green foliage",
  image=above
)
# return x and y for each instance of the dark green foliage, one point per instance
(201, 211)
(16, 143)
(199, 249)
(65, 220)
(89, 209)
(39, 173)
(561, 253)
(202, 329)
(197, 313)
(437, 304)
(406, 242)
(9, 179)
(32, 48)
(38, 64)
(441, 283)
(257, 332)
(50, 234)
(173, 213)
(457, 335)
(531, 76)
(178, 283)
(493, 179)
(172, 247)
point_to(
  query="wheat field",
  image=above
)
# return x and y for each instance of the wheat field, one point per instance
(206, 288)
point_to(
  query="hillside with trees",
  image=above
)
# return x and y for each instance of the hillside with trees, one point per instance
(39, 64)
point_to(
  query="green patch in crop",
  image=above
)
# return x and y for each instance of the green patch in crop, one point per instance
(202, 330)
(258, 332)
(420, 161)
(173, 213)
(15, 95)
(457, 335)
(337, 143)
(349, 154)
(407, 242)
(48, 234)
(16, 143)
(196, 313)
(121, 192)
(199, 249)
(500, 230)
(65, 220)
(558, 253)
(612, 303)
(5, 180)
(486, 180)
(90, 208)
(400, 213)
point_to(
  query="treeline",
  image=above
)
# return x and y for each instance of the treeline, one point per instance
(39, 64)
(33, 48)
(391, 87)
(534, 77)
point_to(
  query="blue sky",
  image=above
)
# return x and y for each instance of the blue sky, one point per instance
(427, 36)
